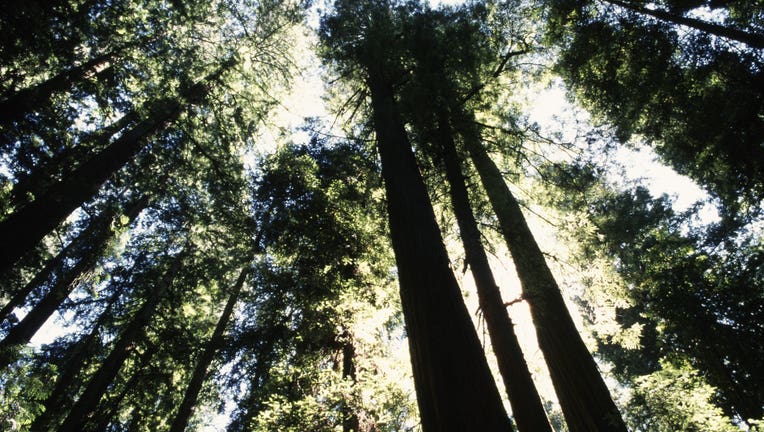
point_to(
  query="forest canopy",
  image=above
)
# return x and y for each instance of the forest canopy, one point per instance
(381, 215)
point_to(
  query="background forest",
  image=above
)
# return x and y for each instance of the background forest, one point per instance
(381, 215)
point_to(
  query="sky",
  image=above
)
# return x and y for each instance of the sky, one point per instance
(551, 109)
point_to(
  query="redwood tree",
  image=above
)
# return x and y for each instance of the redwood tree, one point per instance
(455, 389)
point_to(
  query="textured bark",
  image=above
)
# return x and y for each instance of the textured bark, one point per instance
(89, 249)
(583, 395)
(202, 365)
(84, 409)
(751, 39)
(527, 408)
(455, 389)
(26, 227)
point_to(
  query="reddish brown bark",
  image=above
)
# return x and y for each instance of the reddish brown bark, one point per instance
(527, 408)
(583, 395)
(455, 389)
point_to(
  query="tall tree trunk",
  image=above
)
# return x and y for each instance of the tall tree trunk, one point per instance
(70, 369)
(527, 408)
(751, 39)
(33, 185)
(92, 246)
(350, 421)
(26, 227)
(125, 344)
(29, 99)
(583, 395)
(106, 413)
(251, 405)
(213, 345)
(455, 389)
(90, 240)
(52, 266)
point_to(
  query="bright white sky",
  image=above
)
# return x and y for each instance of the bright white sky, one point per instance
(550, 109)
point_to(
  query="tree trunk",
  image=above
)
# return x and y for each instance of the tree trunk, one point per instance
(455, 389)
(33, 185)
(350, 421)
(107, 412)
(125, 344)
(26, 227)
(70, 369)
(30, 99)
(94, 236)
(213, 345)
(751, 39)
(92, 246)
(583, 395)
(527, 408)
(52, 266)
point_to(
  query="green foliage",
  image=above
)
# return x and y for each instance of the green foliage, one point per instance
(675, 398)
(20, 391)
(689, 294)
(324, 266)
(694, 98)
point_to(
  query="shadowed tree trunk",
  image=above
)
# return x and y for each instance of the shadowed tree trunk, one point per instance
(26, 227)
(35, 183)
(70, 369)
(350, 421)
(89, 249)
(583, 395)
(54, 265)
(213, 345)
(30, 99)
(751, 39)
(83, 409)
(106, 413)
(527, 408)
(455, 389)
(90, 241)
